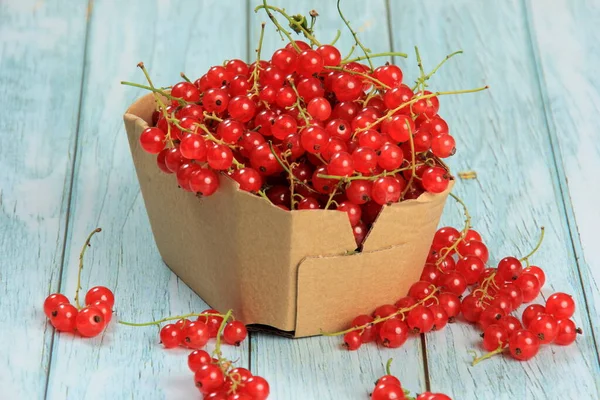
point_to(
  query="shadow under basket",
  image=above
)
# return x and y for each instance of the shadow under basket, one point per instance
(286, 272)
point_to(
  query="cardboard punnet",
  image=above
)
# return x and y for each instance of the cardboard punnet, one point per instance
(288, 271)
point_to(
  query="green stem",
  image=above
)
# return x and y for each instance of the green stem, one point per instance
(175, 318)
(429, 75)
(337, 36)
(217, 350)
(344, 60)
(388, 366)
(421, 79)
(81, 254)
(185, 78)
(477, 360)
(292, 21)
(447, 250)
(265, 6)
(256, 71)
(537, 247)
(367, 76)
(152, 89)
(358, 42)
(298, 103)
(375, 55)
(332, 195)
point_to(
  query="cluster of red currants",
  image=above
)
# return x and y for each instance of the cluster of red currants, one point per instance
(88, 321)
(220, 381)
(388, 387)
(457, 261)
(195, 334)
(306, 130)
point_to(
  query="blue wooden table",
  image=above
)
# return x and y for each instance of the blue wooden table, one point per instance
(65, 168)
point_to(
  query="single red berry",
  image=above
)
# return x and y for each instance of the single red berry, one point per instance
(451, 304)
(234, 333)
(453, 282)
(285, 60)
(186, 91)
(239, 85)
(435, 180)
(430, 273)
(152, 140)
(283, 126)
(567, 332)
(529, 285)
(352, 340)
(63, 318)
(257, 387)
(341, 164)
(331, 56)
(204, 182)
(388, 391)
(352, 210)
(161, 161)
(538, 272)
(345, 111)
(319, 108)
(346, 87)
(510, 323)
(185, 173)
(369, 333)
(471, 308)
(393, 333)
(387, 189)
(391, 75)
(263, 160)
(502, 301)
(215, 100)
(388, 379)
(523, 345)
(390, 157)
(209, 378)
(443, 146)
(174, 159)
(440, 317)
(182, 323)
(396, 97)
(531, 312)
(420, 319)
(198, 358)
(309, 88)
(384, 311)
(52, 302)
(105, 309)
(309, 203)
(219, 157)
(322, 185)
(309, 62)
(248, 178)
(420, 290)
(237, 67)
(427, 106)
(171, 336)
(509, 269)
(560, 305)
(544, 326)
(495, 336)
(195, 335)
(219, 76)
(360, 233)
(193, 147)
(241, 108)
(405, 302)
(513, 292)
(314, 139)
(90, 321)
(471, 268)
(491, 315)
(475, 248)
(399, 127)
(100, 293)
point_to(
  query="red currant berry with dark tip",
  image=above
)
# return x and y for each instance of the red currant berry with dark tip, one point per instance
(209, 378)
(544, 326)
(264, 161)
(359, 191)
(420, 319)
(219, 76)
(523, 345)
(204, 182)
(529, 285)
(560, 305)
(63, 318)
(509, 269)
(352, 340)
(100, 293)
(471, 308)
(491, 315)
(257, 387)
(285, 60)
(435, 180)
(567, 332)
(314, 139)
(171, 336)
(385, 190)
(369, 333)
(440, 317)
(393, 333)
(443, 146)
(234, 333)
(105, 309)
(90, 322)
(52, 302)
(495, 336)
(451, 304)
(198, 358)
(390, 75)
(195, 335)
(215, 100)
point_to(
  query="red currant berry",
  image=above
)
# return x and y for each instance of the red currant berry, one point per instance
(331, 56)
(309, 203)
(443, 146)
(523, 345)
(420, 290)
(237, 67)
(451, 304)
(272, 76)
(430, 273)
(386, 190)
(219, 157)
(52, 302)
(257, 387)
(174, 159)
(198, 358)
(529, 285)
(309, 62)
(193, 147)
(393, 333)
(453, 282)
(391, 75)
(359, 191)
(209, 378)
(264, 161)
(285, 60)
(509, 269)
(538, 272)
(314, 139)
(567, 332)
(385, 311)
(90, 321)
(471, 308)
(239, 85)
(352, 340)
(215, 100)
(440, 317)
(353, 211)
(388, 391)
(219, 76)
(510, 323)
(435, 180)
(186, 91)
(491, 315)
(319, 108)
(241, 108)
(341, 164)
(390, 157)
(309, 88)
(212, 321)
(544, 326)
(395, 97)
(420, 319)
(399, 127)
(369, 333)
(104, 309)
(346, 87)
(360, 232)
(514, 293)
(283, 126)
(204, 182)
(152, 140)
(63, 318)
(427, 106)
(161, 161)
(195, 335)
(495, 336)
(322, 185)
(234, 333)
(471, 268)
(475, 248)
(100, 293)
(560, 305)
(171, 336)
(531, 312)
(248, 178)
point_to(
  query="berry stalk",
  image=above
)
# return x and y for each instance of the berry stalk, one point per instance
(81, 254)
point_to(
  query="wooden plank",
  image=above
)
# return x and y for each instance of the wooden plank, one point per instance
(169, 36)
(565, 35)
(319, 368)
(503, 136)
(41, 48)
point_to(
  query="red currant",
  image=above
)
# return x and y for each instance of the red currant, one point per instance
(393, 333)
(560, 305)
(544, 326)
(52, 302)
(63, 318)
(523, 345)
(352, 340)
(170, 336)
(100, 293)
(195, 335)
(204, 182)
(234, 333)
(531, 312)
(90, 321)
(495, 336)
(152, 140)
(209, 378)
(567, 332)
(198, 358)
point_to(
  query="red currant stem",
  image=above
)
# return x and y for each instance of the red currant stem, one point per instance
(81, 254)
(217, 351)
(293, 22)
(256, 71)
(185, 78)
(332, 195)
(153, 89)
(421, 80)
(363, 177)
(536, 248)
(477, 360)
(413, 164)
(262, 194)
(388, 366)
(212, 116)
(367, 76)
(378, 320)
(483, 288)
(358, 42)
(429, 75)
(375, 55)
(372, 93)
(298, 103)
(447, 250)
(414, 100)
(265, 7)
(338, 33)
(320, 157)
(175, 318)
(345, 59)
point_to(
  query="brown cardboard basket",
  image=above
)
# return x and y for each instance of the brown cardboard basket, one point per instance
(289, 272)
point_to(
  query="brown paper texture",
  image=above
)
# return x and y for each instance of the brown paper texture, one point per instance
(280, 269)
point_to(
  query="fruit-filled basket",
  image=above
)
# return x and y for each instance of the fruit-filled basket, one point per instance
(287, 188)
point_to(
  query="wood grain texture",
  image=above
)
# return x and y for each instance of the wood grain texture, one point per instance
(127, 362)
(319, 368)
(41, 49)
(565, 43)
(503, 136)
